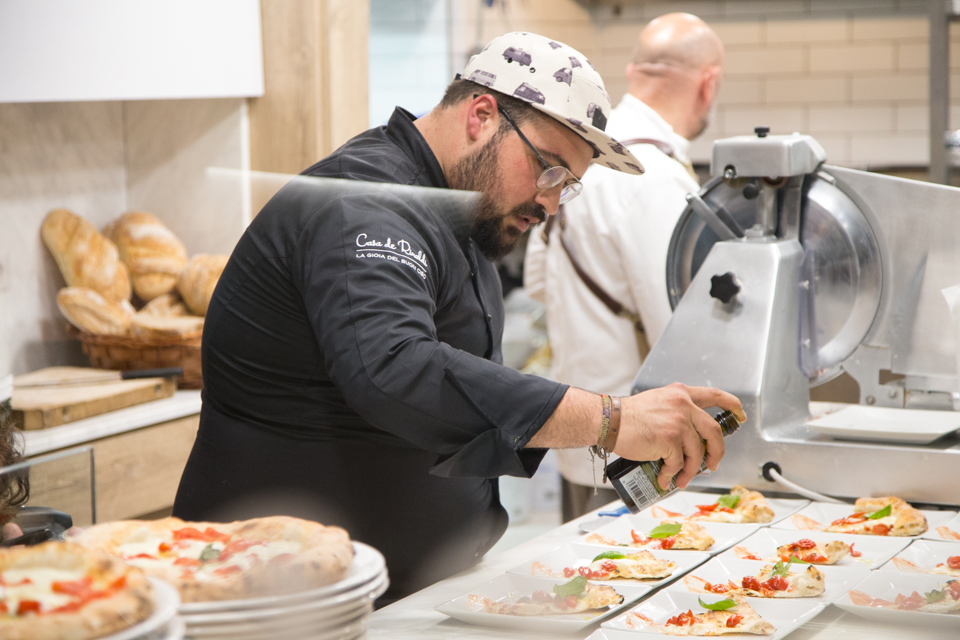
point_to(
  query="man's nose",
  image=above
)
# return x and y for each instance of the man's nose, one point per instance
(549, 199)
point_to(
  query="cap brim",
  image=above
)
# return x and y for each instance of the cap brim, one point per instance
(608, 152)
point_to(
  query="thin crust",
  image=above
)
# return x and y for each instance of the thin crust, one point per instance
(319, 555)
(903, 520)
(752, 507)
(127, 605)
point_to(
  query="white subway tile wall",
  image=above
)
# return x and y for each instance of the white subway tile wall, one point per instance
(851, 72)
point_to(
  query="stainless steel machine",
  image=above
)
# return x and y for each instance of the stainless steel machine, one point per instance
(784, 272)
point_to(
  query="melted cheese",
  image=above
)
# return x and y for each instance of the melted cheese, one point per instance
(40, 588)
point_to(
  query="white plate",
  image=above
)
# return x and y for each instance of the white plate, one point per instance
(823, 513)
(320, 618)
(785, 615)
(329, 606)
(592, 525)
(923, 556)
(368, 564)
(724, 535)
(513, 586)
(886, 424)
(886, 585)
(354, 629)
(949, 530)
(175, 630)
(836, 580)
(579, 555)
(166, 599)
(684, 504)
(874, 550)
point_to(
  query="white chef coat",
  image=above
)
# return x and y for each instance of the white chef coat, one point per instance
(619, 228)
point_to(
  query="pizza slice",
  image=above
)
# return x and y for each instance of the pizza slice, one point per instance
(611, 565)
(808, 551)
(575, 596)
(720, 618)
(671, 535)
(223, 561)
(62, 590)
(774, 581)
(945, 600)
(740, 505)
(888, 516)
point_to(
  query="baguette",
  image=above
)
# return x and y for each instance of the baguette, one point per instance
(159, 327)
(86, 258)
(152, 253)
(169, 305)
(88, 311)
(199, 279)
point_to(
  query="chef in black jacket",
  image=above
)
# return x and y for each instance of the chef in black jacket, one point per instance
(351, 351)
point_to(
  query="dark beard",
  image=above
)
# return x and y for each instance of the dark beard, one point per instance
(479, 173)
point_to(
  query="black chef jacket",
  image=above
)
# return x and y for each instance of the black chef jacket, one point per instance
(352, 366)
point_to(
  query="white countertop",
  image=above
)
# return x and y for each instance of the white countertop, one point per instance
(180, 405)
(413, 618)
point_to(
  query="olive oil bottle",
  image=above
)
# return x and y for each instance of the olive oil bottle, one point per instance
(636, 482)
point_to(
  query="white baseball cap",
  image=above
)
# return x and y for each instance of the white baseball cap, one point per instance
(557, 80)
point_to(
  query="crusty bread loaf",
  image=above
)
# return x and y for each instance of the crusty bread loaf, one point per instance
(152, 253)
(88, 311)
(86, 258)
(199, 279)
(169, 305)
(159, 327)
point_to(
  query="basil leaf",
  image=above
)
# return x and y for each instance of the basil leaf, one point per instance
(935, 596)
(720, 605)
(729, 500)
(608, 555)
(573, 588)
(883, 513)
(666, 530)
(780, 569)
(797, 560)
(209, 553)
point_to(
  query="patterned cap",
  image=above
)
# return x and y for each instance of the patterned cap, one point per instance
(559, 81)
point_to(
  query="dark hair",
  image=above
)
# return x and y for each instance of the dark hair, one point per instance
(14, 487)
(460, 90)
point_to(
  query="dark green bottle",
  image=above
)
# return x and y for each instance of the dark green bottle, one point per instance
(636, 482)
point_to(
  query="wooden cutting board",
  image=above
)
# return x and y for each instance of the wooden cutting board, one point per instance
(44, 407)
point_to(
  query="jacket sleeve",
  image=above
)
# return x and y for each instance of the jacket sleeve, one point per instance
(372, 309)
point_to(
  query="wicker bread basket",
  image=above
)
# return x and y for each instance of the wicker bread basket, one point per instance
(127, 353)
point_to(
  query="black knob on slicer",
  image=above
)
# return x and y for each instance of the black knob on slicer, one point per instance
(761, 131)
(724, 287)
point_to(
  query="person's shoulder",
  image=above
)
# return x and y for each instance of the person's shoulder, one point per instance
(370, 157)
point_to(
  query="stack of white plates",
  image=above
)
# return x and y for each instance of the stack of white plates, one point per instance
(335, 612)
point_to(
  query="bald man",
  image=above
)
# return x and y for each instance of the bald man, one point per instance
(619, 229)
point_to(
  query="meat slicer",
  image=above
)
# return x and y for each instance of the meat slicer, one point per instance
(785, 272)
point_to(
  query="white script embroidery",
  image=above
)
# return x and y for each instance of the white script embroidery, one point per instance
(399, 251)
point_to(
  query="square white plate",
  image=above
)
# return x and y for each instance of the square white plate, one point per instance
(510, 587)
(922, 556)
(724, 535)
(785, 615)
(886, 585)
(886, 424)
(683, 504)
(874, 550)
(836, 580)
(580, 555)
(949, 530)
(823, 513)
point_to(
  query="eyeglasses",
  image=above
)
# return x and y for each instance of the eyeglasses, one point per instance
(553, 175)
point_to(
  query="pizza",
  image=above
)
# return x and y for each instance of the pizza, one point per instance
(671, 535)
(611, 565)
(810, 552)
(945, 600)
(739, 618)
(774, 581)
(949, 568)
(575, 596)
(740, 505)
(887, 516)
(62, 590)
(226, 561)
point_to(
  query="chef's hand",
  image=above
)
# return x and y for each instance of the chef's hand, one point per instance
(669, 423)
(10, 531)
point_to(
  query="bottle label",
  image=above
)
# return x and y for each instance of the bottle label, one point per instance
(641, 484)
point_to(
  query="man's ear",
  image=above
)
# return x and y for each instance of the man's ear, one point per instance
(630, 69)
(482, 117)
(710, 84)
